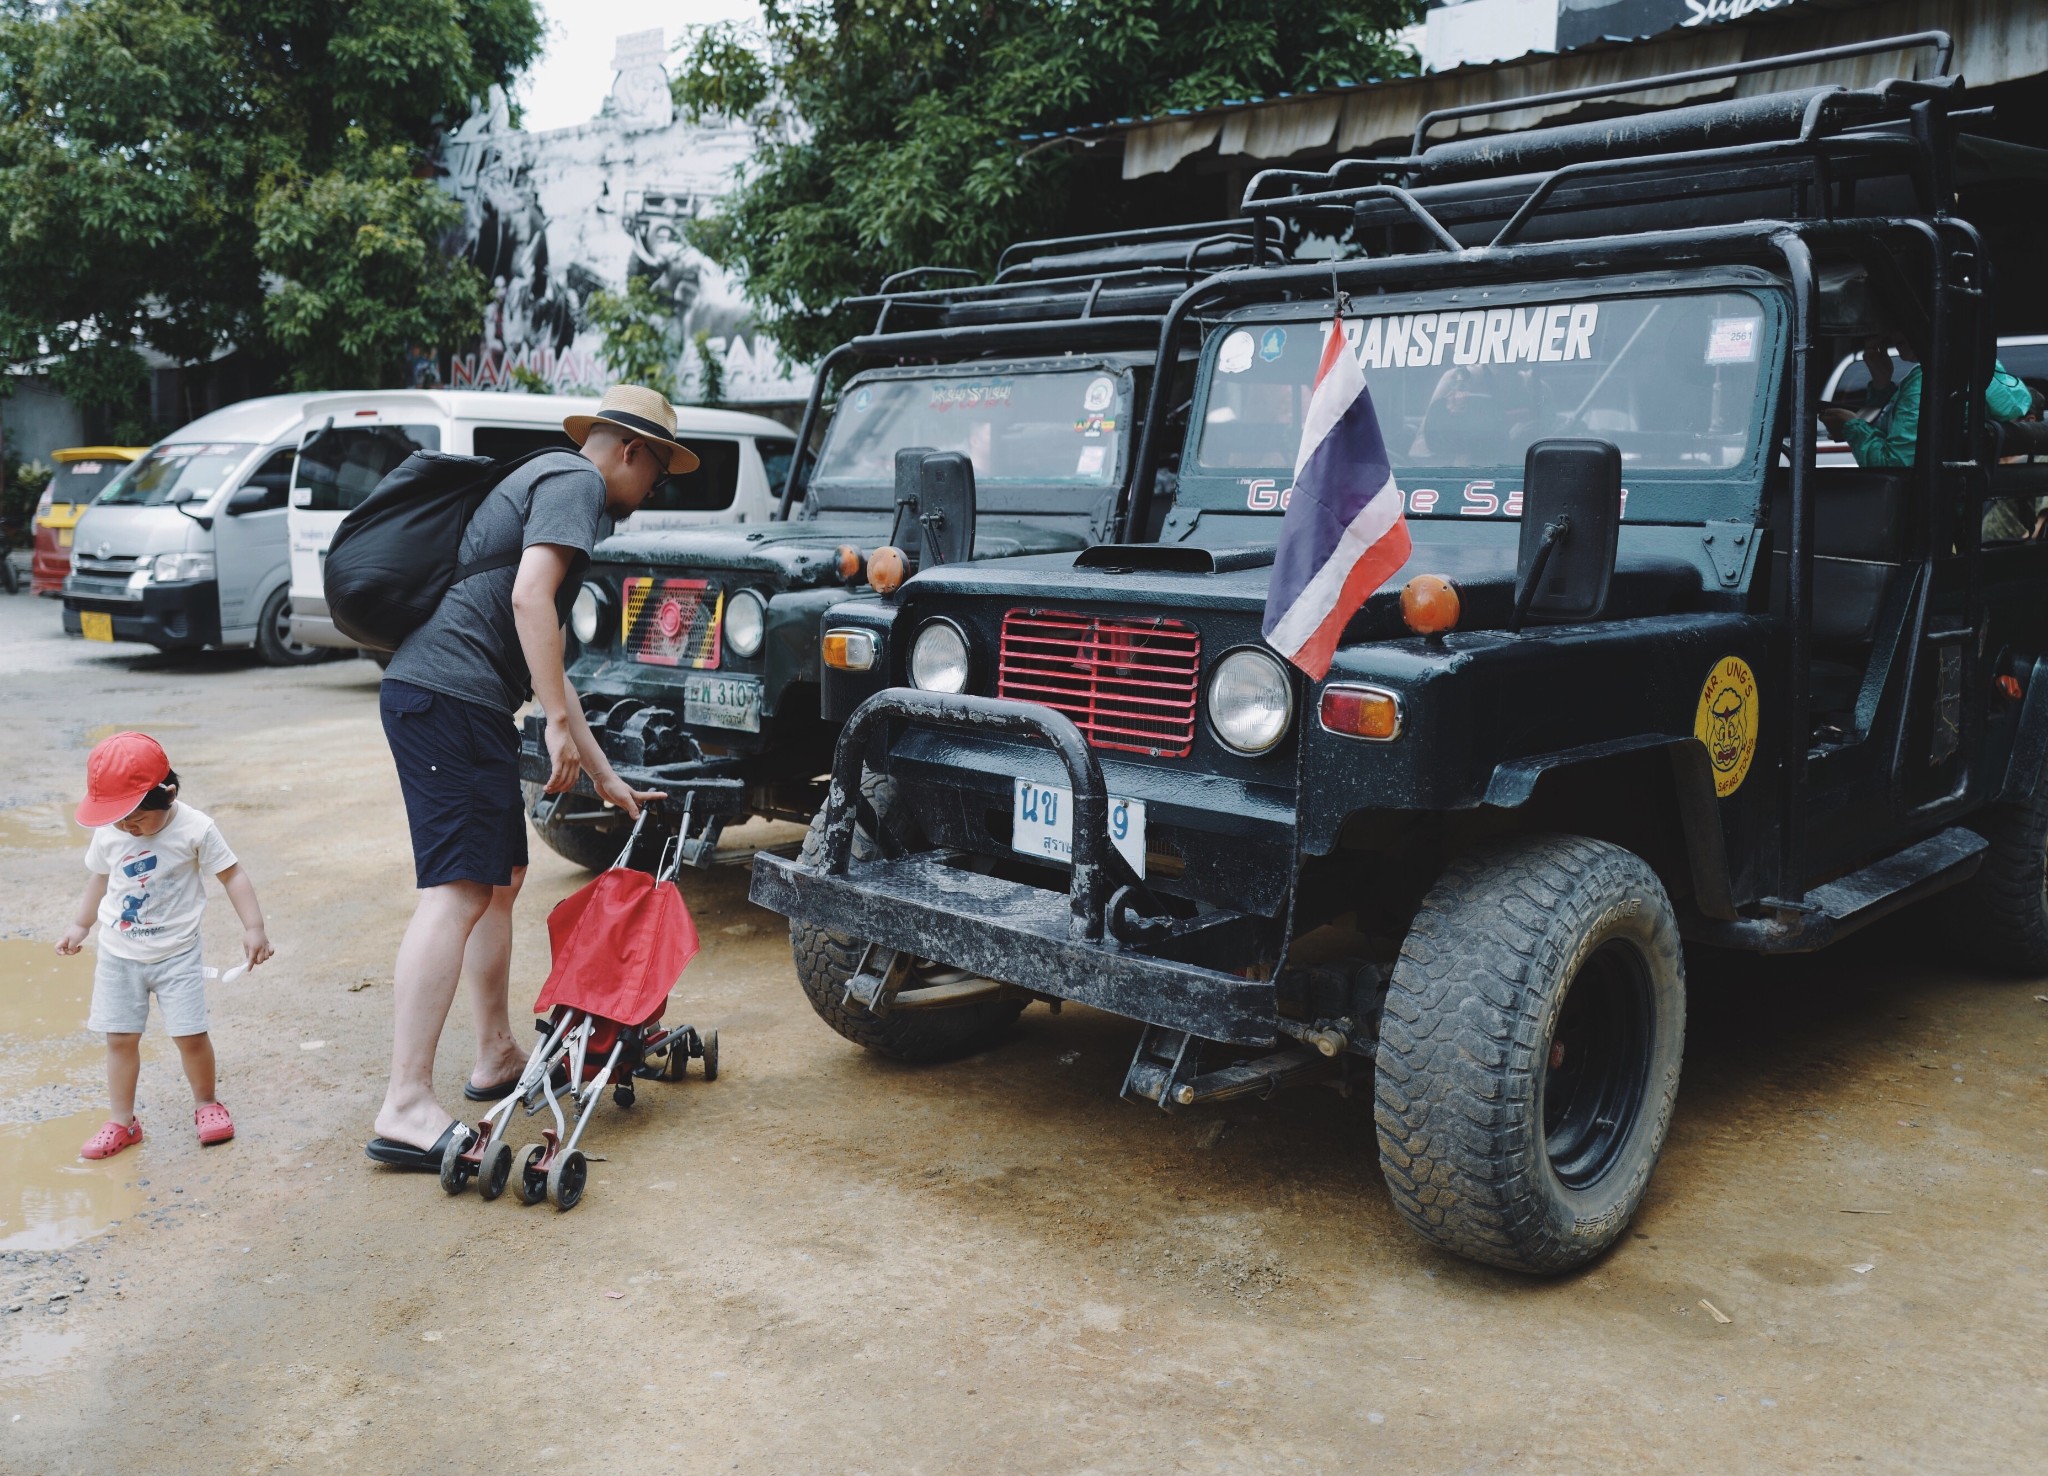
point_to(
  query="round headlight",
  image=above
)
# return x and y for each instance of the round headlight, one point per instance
(585, 613)
(938, 660)
(1251, 701)
(746, 620)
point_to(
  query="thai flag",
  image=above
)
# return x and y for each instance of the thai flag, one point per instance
(1343, 535)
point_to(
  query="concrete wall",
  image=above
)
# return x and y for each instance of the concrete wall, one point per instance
(36, 421)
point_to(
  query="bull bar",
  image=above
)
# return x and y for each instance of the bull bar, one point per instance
(1093, 945)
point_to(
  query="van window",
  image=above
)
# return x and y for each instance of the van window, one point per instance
(775, 456)
(191, 472)
(501, 441)
(710, 488)
(274, 476)
(340, 465)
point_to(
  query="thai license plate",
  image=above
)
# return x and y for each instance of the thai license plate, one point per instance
(722, 702)
(1042, 824)
(98, 625)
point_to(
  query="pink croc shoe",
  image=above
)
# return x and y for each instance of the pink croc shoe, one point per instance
(214, 1124)
(112, 1138)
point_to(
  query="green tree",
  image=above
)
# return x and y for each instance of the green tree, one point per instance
(905, 154)
(163, 162)
(640, 337)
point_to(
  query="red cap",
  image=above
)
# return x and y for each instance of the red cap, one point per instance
(118, 773)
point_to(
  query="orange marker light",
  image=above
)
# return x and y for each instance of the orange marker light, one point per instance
(1362, 712)
(887, 569)
(2010, 685)
(848, 561)
(1429, 604)
(849, 650)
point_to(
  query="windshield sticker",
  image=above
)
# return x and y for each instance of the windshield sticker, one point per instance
(85, 468)
(1235, 356)
(973, 394)
(1101, 390)
(1091, 461)
(1095, 425)
(1726, 722)
(1733, 340)
(1555, 334)
(1272, 343)
(864, 399)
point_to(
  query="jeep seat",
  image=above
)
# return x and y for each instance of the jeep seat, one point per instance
(1861, 518)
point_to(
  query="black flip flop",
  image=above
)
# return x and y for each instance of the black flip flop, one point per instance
(507, 1087)
(394, 1154)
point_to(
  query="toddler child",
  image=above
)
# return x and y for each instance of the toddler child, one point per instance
(149, 856)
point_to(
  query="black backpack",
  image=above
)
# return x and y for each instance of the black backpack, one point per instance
(397, 553)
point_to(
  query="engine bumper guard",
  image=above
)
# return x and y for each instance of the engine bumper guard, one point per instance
(1101, 943)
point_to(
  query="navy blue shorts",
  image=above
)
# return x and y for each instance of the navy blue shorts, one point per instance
(458, 766)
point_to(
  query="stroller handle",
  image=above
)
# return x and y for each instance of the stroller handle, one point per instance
(671, 859)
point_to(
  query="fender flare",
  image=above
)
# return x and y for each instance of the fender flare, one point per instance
(2029, 756)
(1514, 784)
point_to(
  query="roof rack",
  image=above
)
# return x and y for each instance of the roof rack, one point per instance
(1809, 138)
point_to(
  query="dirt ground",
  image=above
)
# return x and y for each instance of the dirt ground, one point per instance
(823, 1262)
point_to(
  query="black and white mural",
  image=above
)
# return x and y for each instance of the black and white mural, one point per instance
(550, 218)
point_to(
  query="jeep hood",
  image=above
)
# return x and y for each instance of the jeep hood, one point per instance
(800, 555)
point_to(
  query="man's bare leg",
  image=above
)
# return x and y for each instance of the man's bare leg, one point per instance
(422, 987)
(487, 965)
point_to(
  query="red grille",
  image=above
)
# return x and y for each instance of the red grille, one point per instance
(673, 622)
(1127, 684)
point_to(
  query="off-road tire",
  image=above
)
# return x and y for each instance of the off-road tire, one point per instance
(590, 844)
(826, 960)
(273, 634)
(1999, 917)
(1464, 1071)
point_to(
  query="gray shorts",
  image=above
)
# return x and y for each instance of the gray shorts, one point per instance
(121, 989)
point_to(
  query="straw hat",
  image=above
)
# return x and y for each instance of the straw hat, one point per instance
(645, 414)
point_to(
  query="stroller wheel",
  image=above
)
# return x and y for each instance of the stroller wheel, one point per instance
(711, 1055)
(679, 1055)
(623, 1094)
(497, 1170)
(566, 1179)
(533, 1184)
(455, 1174)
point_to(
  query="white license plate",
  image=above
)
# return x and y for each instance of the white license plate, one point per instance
(1042, 824)
(722, 702)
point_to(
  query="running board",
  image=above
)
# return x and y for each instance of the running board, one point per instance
(1838, 908)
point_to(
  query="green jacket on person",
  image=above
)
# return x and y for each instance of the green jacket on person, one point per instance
(1889, 439)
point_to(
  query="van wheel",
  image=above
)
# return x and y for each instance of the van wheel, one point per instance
(826, 960)
(274, 641)
(588, 844)
(1999, 917)
(1529, 1052)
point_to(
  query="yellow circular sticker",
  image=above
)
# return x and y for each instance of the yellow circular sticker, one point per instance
(1727, 721)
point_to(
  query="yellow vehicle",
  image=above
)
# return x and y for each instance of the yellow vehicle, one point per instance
(83, 472)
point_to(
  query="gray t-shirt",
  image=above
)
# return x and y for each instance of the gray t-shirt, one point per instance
(469, 647)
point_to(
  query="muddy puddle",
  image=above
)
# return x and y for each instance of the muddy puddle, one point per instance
(52, 1096)
(41, 828)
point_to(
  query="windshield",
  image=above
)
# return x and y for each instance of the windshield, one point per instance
(1672, 381)
(339, 466)
(81, 481)
(188, 473)
(1041, 429)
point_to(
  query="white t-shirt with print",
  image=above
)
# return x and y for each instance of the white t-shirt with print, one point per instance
(156, 884)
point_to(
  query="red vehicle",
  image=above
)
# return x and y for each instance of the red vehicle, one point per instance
(82, 474)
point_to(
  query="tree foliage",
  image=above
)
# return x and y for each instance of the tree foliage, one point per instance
(888, 127)
(163, 162)
(640, 339)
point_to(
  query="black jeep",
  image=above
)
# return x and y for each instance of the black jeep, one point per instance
(1666, 679)
(698, 661)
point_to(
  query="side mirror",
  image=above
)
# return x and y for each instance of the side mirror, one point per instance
(1571, 526)
(903, 532)
(253, 497)
(945, 508)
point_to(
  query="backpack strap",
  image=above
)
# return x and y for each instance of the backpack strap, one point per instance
(485, 565)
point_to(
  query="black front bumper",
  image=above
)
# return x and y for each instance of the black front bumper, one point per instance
(1101, 943)
(712, 787)
(171, 617)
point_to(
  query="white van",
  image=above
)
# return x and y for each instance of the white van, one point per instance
(352, 440)
(187, 546)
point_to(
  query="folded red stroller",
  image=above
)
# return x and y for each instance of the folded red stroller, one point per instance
(619, 945)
